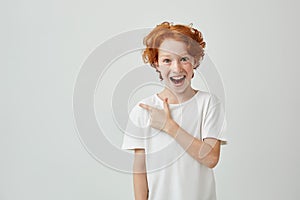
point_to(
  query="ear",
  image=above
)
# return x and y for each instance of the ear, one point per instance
(156, 66)
(196, 64)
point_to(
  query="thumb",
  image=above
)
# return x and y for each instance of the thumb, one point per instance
(166, 106)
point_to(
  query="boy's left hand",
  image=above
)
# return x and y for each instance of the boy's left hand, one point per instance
(160, 119)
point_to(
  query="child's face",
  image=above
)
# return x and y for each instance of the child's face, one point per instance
(175, 65)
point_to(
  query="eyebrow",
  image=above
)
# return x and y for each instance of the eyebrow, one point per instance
(168, 55)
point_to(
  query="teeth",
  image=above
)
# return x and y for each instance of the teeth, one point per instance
(177, 77)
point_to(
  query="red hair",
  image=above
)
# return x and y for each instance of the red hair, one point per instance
(190, 36)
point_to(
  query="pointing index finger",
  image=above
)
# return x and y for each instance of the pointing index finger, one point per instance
(145, 106)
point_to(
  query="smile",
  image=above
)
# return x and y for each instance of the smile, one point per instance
(177, 79)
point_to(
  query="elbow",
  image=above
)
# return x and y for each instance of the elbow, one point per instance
(212, 164)
(210, 161)
(208, 156)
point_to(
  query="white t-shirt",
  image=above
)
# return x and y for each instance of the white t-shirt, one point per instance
(172, 173)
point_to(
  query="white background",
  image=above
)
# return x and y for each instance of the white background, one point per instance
(254, 45)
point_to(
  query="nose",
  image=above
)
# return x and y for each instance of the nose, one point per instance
(176, 67)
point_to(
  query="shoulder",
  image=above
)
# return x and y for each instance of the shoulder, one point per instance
(207, 98)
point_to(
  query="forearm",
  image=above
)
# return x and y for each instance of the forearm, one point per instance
(140, 175)
(140, 186)
(204, 153)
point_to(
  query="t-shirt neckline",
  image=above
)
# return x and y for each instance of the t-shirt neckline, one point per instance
(179, 104)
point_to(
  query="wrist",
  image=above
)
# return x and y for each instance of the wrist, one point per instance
(171, 128)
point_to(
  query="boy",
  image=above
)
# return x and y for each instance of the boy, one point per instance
(179, 143)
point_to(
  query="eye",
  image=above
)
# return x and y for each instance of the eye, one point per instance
(184, 59)
(166, 60)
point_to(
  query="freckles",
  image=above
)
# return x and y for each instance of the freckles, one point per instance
(190, 73)
(189, 69)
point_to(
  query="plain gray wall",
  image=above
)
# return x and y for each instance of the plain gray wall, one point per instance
(254, 44)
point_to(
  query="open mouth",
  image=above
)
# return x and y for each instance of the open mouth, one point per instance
(177, 79)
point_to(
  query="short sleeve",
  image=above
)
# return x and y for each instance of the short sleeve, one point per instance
(214, 123)
(137, 129)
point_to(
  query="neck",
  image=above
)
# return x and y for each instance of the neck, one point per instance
(176, 98)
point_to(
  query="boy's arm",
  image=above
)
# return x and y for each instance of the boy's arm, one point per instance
(206, 152)
(140, 175)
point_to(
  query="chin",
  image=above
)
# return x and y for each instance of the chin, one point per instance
(179, 89)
